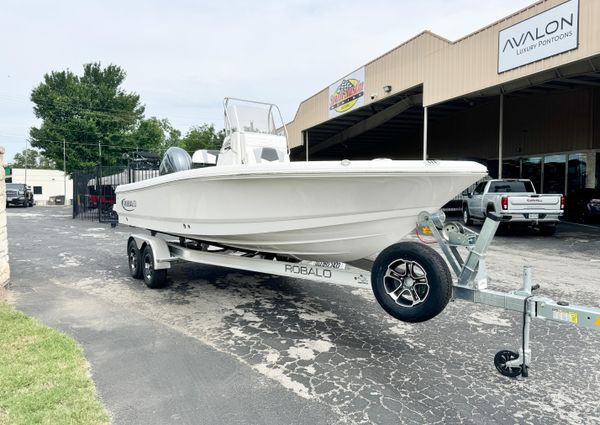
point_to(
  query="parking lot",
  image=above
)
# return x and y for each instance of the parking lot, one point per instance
(305, 352)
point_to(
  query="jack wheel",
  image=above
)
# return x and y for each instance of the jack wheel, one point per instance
(500, 360)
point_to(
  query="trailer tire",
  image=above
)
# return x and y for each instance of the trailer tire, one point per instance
(411, 282)
(134, 259)
(152, 278)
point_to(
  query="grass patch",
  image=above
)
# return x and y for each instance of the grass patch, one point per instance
(43, 375)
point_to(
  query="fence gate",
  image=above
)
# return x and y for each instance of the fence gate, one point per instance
(94, 188)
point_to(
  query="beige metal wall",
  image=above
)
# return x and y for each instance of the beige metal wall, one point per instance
(403, 67)
(471, 62)
(449, 70)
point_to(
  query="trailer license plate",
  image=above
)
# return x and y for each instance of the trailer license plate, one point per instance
(535, 216)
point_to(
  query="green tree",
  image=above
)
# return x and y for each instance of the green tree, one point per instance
(155, 135)
(31, 158)
(202, 137)
(87, 113)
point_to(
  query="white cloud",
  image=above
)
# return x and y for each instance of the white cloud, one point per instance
(183, 57)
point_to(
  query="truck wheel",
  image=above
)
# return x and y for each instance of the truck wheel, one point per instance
(547, 229)
(134, 259)
(411, 282)
(153, 278)
(467, 217)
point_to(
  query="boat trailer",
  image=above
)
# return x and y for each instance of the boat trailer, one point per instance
(150, 256)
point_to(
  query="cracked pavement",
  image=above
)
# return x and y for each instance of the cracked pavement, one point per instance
(334, 347)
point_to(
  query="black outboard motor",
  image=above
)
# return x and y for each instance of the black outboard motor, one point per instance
(175, 159)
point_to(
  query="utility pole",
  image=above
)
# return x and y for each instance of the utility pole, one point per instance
(99, 179)
(26, 164)
(65, 168)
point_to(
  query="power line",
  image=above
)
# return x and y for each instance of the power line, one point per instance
(82, 108)
(126, 148)
(98, 111)
(66, 129)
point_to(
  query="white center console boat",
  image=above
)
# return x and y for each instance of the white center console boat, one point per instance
(255, 199)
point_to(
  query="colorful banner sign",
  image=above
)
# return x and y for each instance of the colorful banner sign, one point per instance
(347, 94)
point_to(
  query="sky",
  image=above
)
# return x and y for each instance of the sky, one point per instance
(183, 57)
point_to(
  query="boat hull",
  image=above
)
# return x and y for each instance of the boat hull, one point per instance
(328, 211)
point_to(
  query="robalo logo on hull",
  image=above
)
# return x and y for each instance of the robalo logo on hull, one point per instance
(128, 204)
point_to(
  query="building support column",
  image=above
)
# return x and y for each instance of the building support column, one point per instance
(425, 133)
(306, 143)
(500, 135)
(590, 178)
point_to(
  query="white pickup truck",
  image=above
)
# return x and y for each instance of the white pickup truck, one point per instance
(516, 201)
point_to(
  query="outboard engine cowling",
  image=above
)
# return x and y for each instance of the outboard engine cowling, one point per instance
(175, 159)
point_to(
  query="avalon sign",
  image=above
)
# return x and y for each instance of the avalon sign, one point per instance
(347, 93)
(541, 36)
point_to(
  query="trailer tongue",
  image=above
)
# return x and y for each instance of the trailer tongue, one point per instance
(471, 285)
(411, 281)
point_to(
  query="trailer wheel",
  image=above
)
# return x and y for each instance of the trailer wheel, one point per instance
(500, 360)
(411, 282)
(153, 278)
(134, 259)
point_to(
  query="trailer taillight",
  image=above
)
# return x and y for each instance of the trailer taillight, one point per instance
(562, 202)
(504, 202)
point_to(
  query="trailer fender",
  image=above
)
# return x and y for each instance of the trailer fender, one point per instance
(160, 249)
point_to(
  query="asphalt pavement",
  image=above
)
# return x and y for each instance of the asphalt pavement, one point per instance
(223, 346)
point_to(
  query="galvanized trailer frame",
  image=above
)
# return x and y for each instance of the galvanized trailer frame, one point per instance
(470, 277)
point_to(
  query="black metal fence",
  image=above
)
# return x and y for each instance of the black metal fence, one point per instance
(94, 188)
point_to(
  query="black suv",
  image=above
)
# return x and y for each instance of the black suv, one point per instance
(19, 194)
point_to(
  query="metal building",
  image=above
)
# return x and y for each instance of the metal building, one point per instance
(521, 95)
